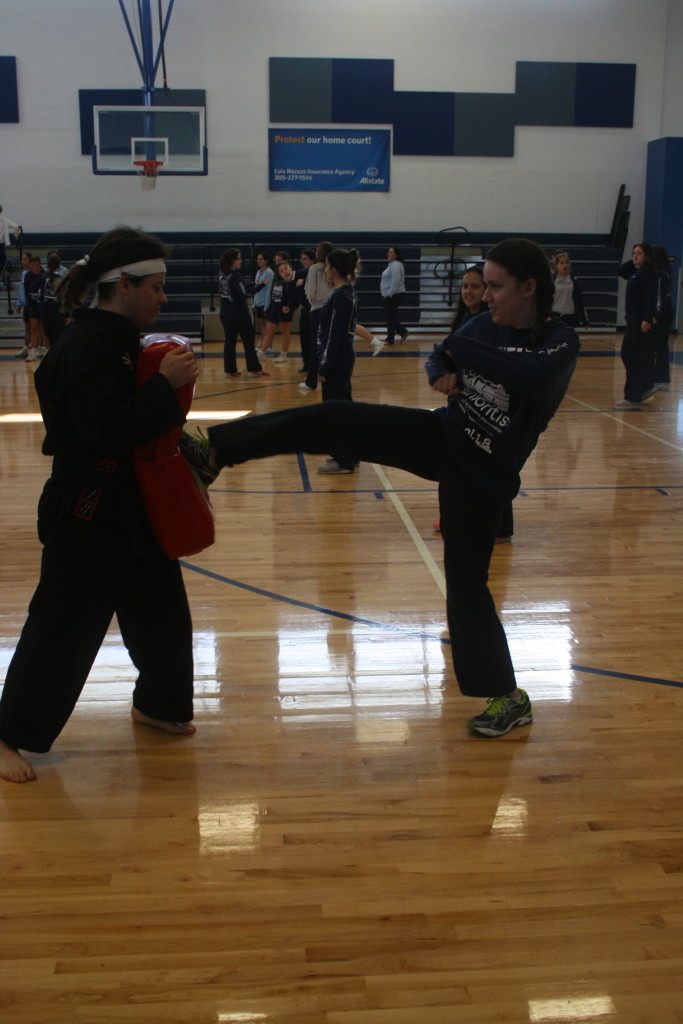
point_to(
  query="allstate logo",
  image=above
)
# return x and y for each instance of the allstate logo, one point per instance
(372, 172)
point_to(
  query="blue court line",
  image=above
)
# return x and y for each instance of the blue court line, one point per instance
(346, 617)
(295, 602)
(303, 469)
(627, 675)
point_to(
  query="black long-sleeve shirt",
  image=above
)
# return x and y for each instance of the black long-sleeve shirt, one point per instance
(336, 330)
(508, 394)
(641, 292)
(233, 295)
(94, 416)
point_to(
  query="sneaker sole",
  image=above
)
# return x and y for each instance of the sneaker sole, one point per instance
(483, 731)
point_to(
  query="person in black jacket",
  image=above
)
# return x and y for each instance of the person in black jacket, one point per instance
(641, 308)
(336, 355)
(235, 316)
(307, 259)
(470, 304)
(285, 299)
(503, 375)
(99, 555)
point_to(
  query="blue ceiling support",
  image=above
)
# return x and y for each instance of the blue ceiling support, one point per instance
(148, 63)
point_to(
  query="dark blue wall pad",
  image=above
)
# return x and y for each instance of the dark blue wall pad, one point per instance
(605, 94)
(89, 98)
(545, 93)
(362, 90)
(303, 82)
(9, 93)
(552, 93)
(423, 123)
(664, 197)
(484, 124)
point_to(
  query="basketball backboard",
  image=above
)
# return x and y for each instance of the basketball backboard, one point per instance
(176, 136)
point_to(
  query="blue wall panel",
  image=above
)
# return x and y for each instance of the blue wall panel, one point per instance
(303, 85)
(423, 123)
(9, 93)
(557, 93)
(362, 91)
(663, 223)
(545, 92)
(605, 94)
(484, 124)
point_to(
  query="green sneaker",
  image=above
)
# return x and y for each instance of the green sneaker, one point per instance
(501, 715)
(196, 450)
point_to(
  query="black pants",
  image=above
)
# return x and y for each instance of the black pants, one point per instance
(660, 345)
(409, 439)
(394, 326)
(243, 328)
(312, 375)
(305, 335)
(338, 387)
(88, 575)
(637, 355)
(53, 323)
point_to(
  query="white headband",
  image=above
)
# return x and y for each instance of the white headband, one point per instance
(141, 269)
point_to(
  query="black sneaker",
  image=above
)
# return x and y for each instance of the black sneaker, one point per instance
(196, 450)
(501, 715)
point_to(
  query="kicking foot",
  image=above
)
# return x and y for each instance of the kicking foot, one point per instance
(177, 728)
(13, 767)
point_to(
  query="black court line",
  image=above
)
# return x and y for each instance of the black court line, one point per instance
(397, 630)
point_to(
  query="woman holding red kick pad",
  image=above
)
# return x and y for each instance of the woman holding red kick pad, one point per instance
(100, 557)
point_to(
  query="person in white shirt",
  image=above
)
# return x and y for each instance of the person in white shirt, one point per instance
(392, 287)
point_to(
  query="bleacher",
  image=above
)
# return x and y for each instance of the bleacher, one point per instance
(434, 266)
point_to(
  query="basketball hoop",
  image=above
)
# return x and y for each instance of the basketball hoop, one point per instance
(147, 172)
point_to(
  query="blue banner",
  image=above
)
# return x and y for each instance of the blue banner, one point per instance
(328, 160)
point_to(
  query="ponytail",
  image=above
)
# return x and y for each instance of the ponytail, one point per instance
(346, 262)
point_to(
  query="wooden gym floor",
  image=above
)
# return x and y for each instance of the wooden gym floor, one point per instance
(333, 847)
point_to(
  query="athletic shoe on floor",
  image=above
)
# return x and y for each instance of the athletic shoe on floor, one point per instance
(258, 373)
(282, 358)
(501, 715)
(332, 468)
(235, 374)
(304, 386)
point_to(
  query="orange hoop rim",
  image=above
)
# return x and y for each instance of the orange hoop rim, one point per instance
(148, 166)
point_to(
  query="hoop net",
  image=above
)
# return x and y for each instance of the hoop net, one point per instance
(147, 172)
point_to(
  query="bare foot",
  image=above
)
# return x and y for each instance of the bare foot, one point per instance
(13, 767)
(177, 728)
